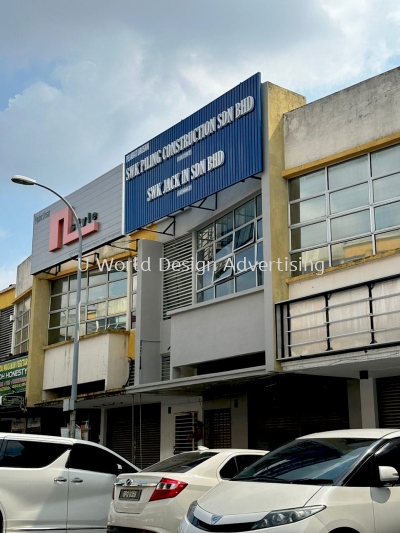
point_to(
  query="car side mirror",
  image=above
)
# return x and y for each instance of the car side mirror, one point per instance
(388, 475)
(119, 469)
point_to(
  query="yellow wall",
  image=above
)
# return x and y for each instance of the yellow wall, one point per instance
(7, 297)
(37, 339)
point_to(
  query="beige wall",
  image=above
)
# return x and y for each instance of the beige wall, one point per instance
(7, 297)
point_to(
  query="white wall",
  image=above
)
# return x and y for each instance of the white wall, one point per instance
(224, 327)
(101, 357)
(24, 278)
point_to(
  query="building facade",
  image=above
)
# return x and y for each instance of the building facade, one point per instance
(240, 281)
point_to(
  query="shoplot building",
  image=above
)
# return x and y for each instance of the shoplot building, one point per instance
(294, 327)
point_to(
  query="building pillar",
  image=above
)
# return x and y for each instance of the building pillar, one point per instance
(354, 402)
(369, 405)
(103, 426)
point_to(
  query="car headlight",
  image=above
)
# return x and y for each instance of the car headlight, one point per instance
(287, 516)
(190, 514)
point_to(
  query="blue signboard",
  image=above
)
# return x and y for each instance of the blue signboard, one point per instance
(214, 148)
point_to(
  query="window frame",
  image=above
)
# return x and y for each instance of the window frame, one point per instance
(373, 232)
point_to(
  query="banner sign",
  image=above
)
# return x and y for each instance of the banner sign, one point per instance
(13, 375)
(214, 148)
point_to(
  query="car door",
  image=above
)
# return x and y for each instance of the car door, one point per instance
(386, 500)
(92, 473)
(34, 484)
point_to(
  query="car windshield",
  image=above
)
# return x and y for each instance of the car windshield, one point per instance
(180, 463)
(308, 461)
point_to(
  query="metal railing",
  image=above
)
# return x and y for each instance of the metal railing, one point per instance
(353, 318)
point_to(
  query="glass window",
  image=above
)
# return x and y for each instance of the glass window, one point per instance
(71, 315)
(95, 326)
(205, 279)
(117, 274)
(223, 247)
(308, 185)
(224, 225)
(244, 213)
(390, 240)
(348, 173)
(307, 210)
(96, 276)
(244, 236)
(308, 461)
(387, 216)
(386, 161)
(72, 281)
(223, 269)
(93, 459)
(205, 236)
(309, 235)
(225, 288)
(181, 463)
(206, 295)
(386, 188)
(58, 302)
(117, 288)
(229, 470)
(117, 307)
(316, 260)
(207, 254)
(97, 293)
(246, 281)
(58, 319)
(350, 225)
(349, 198)
(96, 310)
(60, 285)
(30, 454)
(219, 248)
(116, 322)
(57, 335)
(351, 250)
(245, 259)
(260, 252)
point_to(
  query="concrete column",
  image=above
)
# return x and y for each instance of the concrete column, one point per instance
(354, 402)
(369, 406)
(103, 426)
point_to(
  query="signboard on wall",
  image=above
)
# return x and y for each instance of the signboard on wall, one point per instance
(214, 148)
(13, 376)
(99, 208)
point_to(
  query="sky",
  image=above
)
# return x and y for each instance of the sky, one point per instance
(83, 82)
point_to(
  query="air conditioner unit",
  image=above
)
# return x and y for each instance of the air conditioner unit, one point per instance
(12, 318)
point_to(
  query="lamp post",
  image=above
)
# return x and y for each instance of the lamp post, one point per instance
(23, 180)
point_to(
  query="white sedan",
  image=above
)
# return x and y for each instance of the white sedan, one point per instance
(156, 499)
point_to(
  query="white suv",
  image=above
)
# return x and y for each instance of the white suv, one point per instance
(54, 483)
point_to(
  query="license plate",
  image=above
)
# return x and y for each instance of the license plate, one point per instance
(130, 494)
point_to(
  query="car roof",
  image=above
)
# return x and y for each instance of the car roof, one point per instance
(368, 433)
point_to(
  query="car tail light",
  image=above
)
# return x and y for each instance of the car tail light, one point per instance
(167, 488)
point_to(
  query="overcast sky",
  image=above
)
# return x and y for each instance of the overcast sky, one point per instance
(84, 82)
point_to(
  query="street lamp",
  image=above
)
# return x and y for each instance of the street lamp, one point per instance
(23, 180)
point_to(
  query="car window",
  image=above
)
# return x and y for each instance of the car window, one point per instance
(389, 455)
(229, 470)
(30, 454)
(243, 461)
(94, 459)
(183, 462)
(308, 461)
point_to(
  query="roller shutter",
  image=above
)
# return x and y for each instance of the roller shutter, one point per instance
(142, 445)
(388, 393)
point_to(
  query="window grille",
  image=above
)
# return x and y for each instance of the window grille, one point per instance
(184, 430)
(6, 331)
(165, 367)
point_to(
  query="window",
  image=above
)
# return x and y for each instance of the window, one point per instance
(230, 249)
(235, 465)
(389, 455)
(94, 459)
(183, 462)
(22, 319)
(346, 211)
(30, 454)
(103, 304)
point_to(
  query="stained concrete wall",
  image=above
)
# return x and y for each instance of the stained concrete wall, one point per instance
(351, 117)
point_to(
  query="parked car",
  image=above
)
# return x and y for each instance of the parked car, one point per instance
(55, 483)
(338, 481)
(156, 498)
